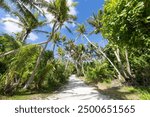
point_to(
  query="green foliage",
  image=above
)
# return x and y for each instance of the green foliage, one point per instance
(8, 43)
(20, 66)
(144, 93)
(24, 61)
(57, 75)
(95, 21)
(140, 65)
(99, 72)
(127, 22)
(60, 10)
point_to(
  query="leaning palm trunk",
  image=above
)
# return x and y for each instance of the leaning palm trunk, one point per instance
(16, 50)
(66, 66)
(36, 67)
(54, 45)
(128, 64)
(82, 67)
(39, 58)
(117, 54)
(119, 74)
(25, 36)
(10, 52)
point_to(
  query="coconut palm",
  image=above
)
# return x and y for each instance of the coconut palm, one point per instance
(95, 21)
(32, 4)
(60, 11)
(81, 29)
(27, 20)
(4, 6)
(58, 39)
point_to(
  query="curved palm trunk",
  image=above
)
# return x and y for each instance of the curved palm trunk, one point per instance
(128, 64)
(10, 52)
(119, 74)
(25, 36)
(39, 59)
(117, 54)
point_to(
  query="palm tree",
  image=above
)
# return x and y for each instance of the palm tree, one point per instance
(57, 40)
(27, 20)
(60, 11)
(82, 32)
(32, 4)
(4, 6)
(95, 21)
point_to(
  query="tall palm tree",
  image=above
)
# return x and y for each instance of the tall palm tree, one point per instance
(82, 32)
(27, 20)
(95, 22)
(60, 11)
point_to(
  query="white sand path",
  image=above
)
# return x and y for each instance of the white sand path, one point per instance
(76, 89)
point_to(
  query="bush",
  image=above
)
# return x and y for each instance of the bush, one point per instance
(141, 69)
(57, 75)
(20, 68)
(99, 72)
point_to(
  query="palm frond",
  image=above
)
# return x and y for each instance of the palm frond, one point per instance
(15, 22)
(4, 6)
(69, 30)
(41, 31)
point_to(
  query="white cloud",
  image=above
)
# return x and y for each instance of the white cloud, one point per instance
(72, 9)
(32, 37)
(10, 27)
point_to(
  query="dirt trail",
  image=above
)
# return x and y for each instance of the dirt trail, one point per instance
(76, 89)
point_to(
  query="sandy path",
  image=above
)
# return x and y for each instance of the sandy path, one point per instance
(76, 89)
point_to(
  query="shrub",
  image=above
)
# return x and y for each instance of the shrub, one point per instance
(20, 68)
(99, 72)
(57, 75)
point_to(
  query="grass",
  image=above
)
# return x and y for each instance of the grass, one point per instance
(124, 92)
(33, 94)
(117, 91)
(27, 95)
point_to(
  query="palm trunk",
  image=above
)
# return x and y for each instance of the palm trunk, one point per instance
(39, 59)
(117, 54)
(119, 74)
(66, 66)
(54, 49)
(82, 67)
(25, 36)
(77, 68)
(10, 52)
(128, 64)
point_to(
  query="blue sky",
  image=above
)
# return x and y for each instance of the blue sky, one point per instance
(84, 10)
